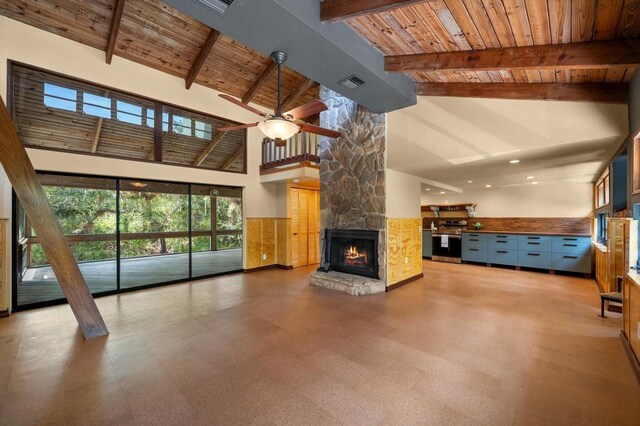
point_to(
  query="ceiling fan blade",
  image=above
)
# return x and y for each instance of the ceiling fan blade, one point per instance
(310, 108)
(242, 105)
(238, 127)
(310, 128)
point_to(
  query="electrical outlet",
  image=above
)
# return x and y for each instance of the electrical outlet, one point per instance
(264, 256)
(406, 260)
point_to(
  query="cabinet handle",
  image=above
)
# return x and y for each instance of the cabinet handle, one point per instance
(570, 257)
(533, 244)
(570, 245)
(472, 249)
(502, 242)
(295, 233)
(473, 239)
(570, 239)
(533, 238)
(501, 236)
(501, 251)
(474, 235)
(533, 254)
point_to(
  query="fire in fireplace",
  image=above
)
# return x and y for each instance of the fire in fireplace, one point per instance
(352, 251)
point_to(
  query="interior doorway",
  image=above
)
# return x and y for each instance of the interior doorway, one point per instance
(304, 211)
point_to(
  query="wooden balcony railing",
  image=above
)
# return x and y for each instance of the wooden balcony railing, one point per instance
(300, 148)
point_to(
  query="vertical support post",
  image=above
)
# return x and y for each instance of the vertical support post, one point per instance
(157, 132)
(214, 223)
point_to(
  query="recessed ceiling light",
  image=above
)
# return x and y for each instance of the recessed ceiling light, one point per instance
(529, 177)
(469, 181)
(534, 183)
(442, 192)
(427, 189)
(487, 186)
(514, 161)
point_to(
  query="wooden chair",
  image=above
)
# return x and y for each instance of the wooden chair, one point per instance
(615, 296)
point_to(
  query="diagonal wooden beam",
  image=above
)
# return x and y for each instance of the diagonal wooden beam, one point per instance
(96, 134)
(586, 92)
(233, 158)
(600, 54)
(295, 95)
(257, 85)
(28, 189)
(339, 10)
(115, 26)
(215, 140)
(202, 56)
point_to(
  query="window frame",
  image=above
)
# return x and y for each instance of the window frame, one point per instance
(603, 186)
(98, 88)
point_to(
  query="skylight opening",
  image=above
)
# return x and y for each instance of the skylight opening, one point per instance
(60, 97)
(203, 130)
(181, 125)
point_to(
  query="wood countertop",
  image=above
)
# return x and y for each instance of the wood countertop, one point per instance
(560, 234)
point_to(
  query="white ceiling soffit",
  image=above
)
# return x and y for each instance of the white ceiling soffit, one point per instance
(454, 140)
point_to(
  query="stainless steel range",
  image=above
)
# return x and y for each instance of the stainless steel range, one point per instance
(447, 241)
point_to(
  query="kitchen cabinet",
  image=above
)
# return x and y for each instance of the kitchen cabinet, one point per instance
(427, 243)
(552, 252)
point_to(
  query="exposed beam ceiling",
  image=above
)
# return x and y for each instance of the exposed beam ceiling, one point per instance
(202, 57)
(115, 27)
(257, 85)
(590, 55)
(215, 140)
(587, 92)
(339, 10)
(302, 88)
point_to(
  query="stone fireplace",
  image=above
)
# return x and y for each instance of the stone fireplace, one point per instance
(352, 198)
(352, 251)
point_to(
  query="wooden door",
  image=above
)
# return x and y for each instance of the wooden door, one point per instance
(314, 227)
(295, 227)
(303, 227)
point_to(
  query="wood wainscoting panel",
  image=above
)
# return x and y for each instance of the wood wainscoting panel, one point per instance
(268, 241)
(602, 267)
(394, 251)
(634, 317)
(283, 242)
(254, 243)
(404, 248)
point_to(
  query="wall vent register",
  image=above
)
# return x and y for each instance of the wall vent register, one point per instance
(352, 82)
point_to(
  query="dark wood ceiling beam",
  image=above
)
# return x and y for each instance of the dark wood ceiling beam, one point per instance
(601, 54)
(295, 95)
(25, 183)
(115, 27)
(215, 140)
(233, 158)
(339, 10)
(583, 92)
(257, 85)
(202, 56)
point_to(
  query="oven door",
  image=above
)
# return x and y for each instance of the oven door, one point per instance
(452, 253)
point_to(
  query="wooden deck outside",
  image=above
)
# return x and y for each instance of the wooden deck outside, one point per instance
(40, 284)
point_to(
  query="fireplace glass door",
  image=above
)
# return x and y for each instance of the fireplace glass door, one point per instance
(354, 252)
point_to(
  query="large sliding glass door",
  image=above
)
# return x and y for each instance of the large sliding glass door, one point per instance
(168, 232)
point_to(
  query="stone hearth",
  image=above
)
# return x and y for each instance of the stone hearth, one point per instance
(351, 284)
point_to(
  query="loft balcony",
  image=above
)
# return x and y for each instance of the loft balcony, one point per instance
(295, 158)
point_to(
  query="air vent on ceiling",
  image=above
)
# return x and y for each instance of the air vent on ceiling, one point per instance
(219, 6)
(352, 82)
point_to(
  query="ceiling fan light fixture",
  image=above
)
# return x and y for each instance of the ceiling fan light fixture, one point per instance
(278, 128)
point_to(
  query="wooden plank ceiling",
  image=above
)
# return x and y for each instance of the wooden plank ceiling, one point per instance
(440, 26)
(153, 33)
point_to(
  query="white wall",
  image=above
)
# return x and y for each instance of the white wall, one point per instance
(32, 46)
(402, 195)
(560, 199)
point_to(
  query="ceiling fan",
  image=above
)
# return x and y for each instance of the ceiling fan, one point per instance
(281, 126)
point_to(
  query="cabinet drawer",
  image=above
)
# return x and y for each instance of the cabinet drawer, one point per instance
(572, 262)
(474, 254)
(474, 240)
(571, 245)
(502, 241)
(502, 257)
(534, 259)
(539, 243)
